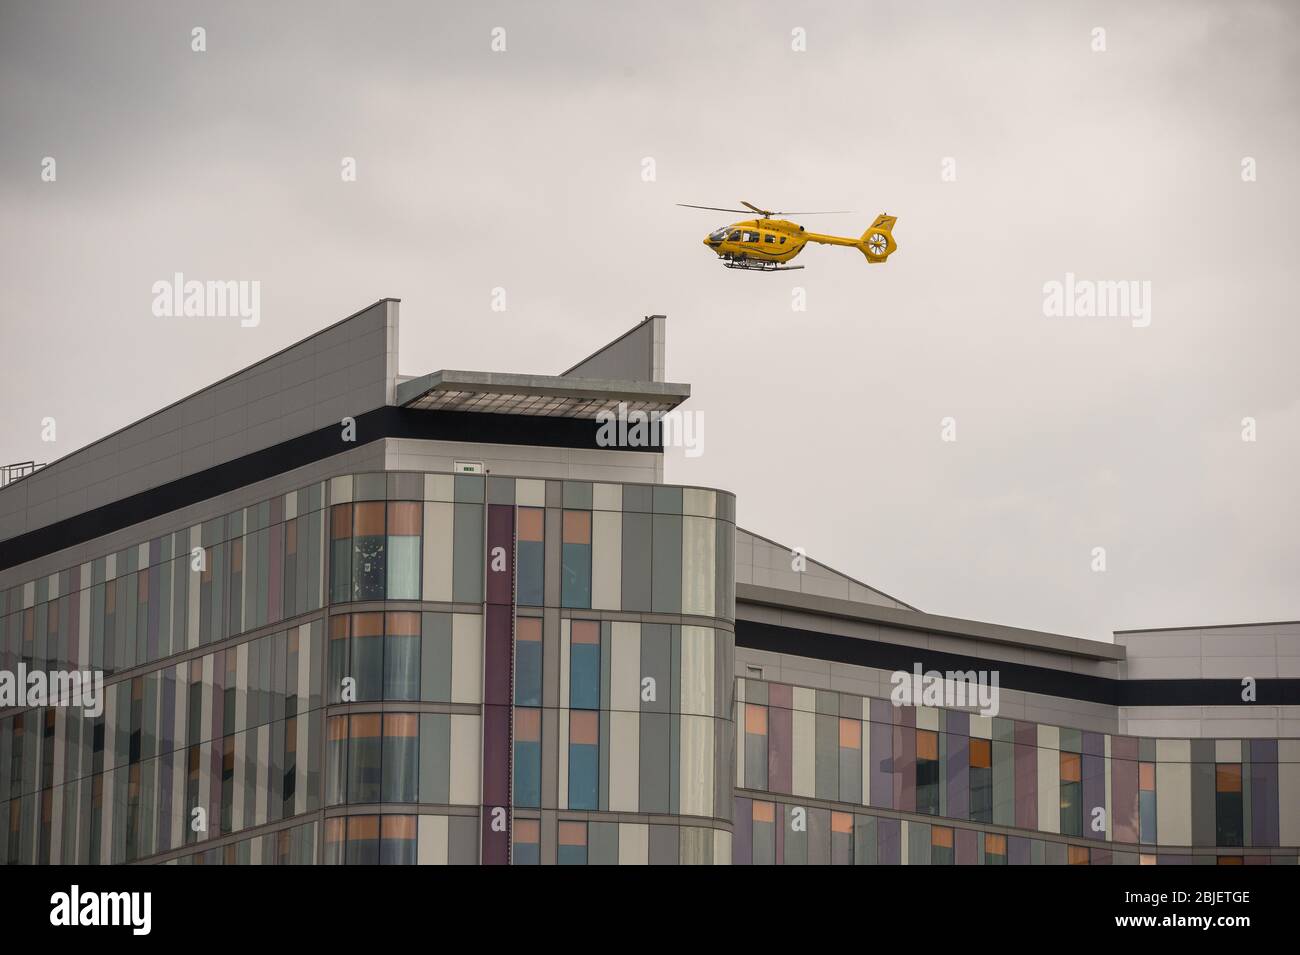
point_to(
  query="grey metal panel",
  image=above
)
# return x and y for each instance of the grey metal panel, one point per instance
(655, 752)
(462, 840)
(602, 843)
(664, 845)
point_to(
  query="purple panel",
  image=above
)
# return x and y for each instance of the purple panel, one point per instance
(958, 776)
(1099, 856)
(905, 766)
(498, 677)
(1094, 744)
(1018, 852)
(889, 842)
(501, 533)
(742, 839)
(1124, 747)
(1094, 791)
(1026, 734)
(496, 782)
(1026, 783)
(1264, 824)
(1124, 798)
(882, 761)
(906, 716)
(498, 633)
(958, 722)
(882, 712)
(780, 695)
(966, 844)
(780, 740)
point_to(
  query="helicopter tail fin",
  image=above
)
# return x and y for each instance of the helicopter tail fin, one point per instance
(877, 243)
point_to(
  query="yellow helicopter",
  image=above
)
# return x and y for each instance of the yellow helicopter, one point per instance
(764, 245)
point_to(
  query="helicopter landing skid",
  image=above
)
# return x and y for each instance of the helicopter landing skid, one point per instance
(756, 265)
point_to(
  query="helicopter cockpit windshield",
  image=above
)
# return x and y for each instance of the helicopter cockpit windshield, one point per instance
(717, 235)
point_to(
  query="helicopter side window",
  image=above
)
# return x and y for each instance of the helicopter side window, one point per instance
(769, 238)
(734, 237)
(751, 237)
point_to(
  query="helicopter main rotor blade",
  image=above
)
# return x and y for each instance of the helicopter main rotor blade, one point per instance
(762, 212)
(823, 212)
(687, 205)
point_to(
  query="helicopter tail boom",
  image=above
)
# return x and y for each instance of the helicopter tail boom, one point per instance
(877, 243)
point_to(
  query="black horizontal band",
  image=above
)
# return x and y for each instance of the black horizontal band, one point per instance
(834, 648)
(385, 422)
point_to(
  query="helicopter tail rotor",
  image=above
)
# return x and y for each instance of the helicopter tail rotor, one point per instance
(877, 243)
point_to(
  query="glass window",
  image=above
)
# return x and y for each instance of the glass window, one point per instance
(365, 757)
(584, 665)
(528, 757)
(531, 556)
(941, 849)
(402, 656)
(368, 577)
(336, 761)
(841, 838)
(927, 772)
(363, 840)
(401, 757)
(528, 661)
(995, 849)
(755, 746)
(1147, 803)
(335, 840)
(850, 760)
(735, 236)
(576, 560)
(981, 780)
(573, 843)
(404, 523)
(584, 759)
(1228, 804)
(527, 840)
(769, 238)
(1071, 795)
(340, 661)
(397, 840)
(367, 646)
(341, 553)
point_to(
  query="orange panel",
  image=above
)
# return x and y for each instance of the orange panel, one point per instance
(927, 744)
(573, 833)
(584, 727)
(531, 524)
(577, 527)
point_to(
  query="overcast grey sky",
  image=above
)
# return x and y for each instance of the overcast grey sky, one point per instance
(523, 170)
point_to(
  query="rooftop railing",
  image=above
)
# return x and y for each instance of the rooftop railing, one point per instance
(9, 473)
